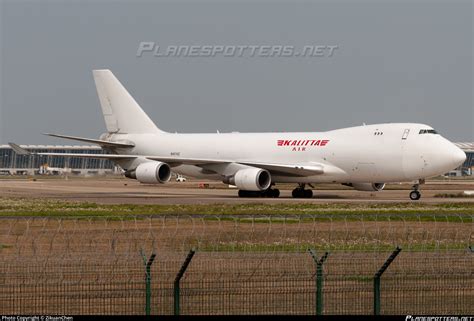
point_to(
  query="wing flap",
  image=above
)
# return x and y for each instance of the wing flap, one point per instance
(290, 169)
(187, 161)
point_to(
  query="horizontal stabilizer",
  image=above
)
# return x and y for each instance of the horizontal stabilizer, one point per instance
(19, 150)
(95, 156)
(93, 141)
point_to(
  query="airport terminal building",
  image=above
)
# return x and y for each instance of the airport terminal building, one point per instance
(466, 169)
(13, 164)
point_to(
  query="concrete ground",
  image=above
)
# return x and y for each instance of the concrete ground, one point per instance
(121, 191)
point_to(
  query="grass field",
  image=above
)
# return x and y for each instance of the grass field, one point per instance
(53, 208)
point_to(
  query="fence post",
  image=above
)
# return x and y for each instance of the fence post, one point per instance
(148, 264)
(377, 279)
(180, 274)
(319, 279)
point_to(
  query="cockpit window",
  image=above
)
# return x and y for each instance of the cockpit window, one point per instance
(428, 131)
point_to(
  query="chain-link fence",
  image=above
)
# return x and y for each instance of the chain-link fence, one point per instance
(241, 265)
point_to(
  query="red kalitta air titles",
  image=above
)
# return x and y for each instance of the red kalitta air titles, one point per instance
(301, 144)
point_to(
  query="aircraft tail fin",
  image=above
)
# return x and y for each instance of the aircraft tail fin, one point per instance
(122, 114)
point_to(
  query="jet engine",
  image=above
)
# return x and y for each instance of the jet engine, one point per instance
(251, 179)
(368, 187)
(151, 173)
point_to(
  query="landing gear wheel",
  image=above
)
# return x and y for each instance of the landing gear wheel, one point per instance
(266, 193)
(302, 193)
(276, 193)
(415, 195)
(297, 193)
(244, 193)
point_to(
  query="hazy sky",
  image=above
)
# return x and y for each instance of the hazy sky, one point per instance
(397, 61)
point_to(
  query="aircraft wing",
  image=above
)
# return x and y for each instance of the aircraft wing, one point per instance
(304, 169)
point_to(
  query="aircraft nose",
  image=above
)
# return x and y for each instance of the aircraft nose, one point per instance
(458, 156)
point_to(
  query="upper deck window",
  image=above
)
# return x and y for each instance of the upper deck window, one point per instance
(428, 131)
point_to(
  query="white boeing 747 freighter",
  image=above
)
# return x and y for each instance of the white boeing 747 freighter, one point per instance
(364, 157)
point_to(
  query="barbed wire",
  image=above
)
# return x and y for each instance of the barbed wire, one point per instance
(125, 236)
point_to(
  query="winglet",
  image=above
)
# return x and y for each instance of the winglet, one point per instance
(18, 149)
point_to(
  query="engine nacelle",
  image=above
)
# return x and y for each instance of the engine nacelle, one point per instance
(251, 179)
(368, 187)
(151, 173)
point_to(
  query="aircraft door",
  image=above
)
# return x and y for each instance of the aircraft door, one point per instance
(405, 134)
(413, 160)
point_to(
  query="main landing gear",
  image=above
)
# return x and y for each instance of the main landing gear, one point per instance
(300, 192)
(271, 192)
(415, 194)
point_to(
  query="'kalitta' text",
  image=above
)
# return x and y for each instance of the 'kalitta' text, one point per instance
(303, 142)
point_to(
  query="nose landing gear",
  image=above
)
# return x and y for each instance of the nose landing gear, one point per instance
(415, 194)
(300, 192)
